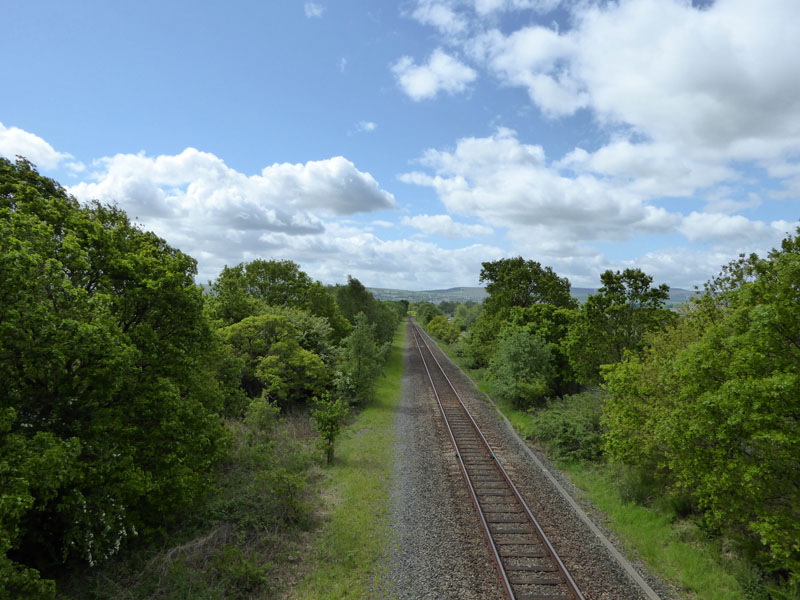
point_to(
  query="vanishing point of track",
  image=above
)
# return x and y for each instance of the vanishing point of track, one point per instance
(527, 564)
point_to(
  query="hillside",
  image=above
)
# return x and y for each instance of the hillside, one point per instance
(677, 296)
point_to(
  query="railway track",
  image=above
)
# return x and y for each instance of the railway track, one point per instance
(527, 565)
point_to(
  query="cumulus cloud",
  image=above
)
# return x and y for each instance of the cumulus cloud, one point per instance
(445, 226)
(723, 79)
(734, 230)
(18, 142)
(440, 14)
(313, 10)
(367, 126)
(404, 264)
(507, 183)
(221, 216)
(442, 72)
(284, 196)
(486, 7)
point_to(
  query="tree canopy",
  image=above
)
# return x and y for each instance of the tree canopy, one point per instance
(110, 397)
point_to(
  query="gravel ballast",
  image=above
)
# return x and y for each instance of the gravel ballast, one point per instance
(439, 550)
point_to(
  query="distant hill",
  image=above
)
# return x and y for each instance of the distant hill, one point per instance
(677, 296)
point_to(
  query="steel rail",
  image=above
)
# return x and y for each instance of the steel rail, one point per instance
(572, 587)
(506, 584)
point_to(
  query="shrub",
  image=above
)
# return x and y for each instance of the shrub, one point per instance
(571, 427)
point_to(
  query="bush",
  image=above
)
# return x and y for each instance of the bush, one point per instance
(522, 367)
(571, 427)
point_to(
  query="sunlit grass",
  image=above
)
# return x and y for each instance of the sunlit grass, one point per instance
(347, 556)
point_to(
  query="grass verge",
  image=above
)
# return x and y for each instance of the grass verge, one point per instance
(347, 554)
(674, 549)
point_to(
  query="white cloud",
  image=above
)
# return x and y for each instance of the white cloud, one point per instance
(283, 196)
(342, 64)
(313, 10)
(442, 72)
(18, 142)
(440, 14)
(221, 216)
(734, 230)
(445, 226)
(367, 126)
(404, 264)
(486, 7)
(724, 80)
(507, 183)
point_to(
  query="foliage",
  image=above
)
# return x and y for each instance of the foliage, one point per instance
(327, 416)
(552, 324)
(275, 365)
(614, 320)
(354, 298)
(465, 315)
(237, 541)
(108, 372)
(426, 311)
(716, 405)
(517, 282)
(571, 427)
(513, 284)
(441, 328)
(244, 290)
(522, 368)
(362, 361)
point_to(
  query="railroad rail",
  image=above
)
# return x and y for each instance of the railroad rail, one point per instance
(527, 565)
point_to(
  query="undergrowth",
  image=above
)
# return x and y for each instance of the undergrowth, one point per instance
(239, 541)
(349, 549)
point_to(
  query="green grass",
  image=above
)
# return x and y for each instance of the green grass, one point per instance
(674, 549)
(355, 536)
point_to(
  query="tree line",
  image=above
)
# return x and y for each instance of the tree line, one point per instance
(125, 384)
(699, 407)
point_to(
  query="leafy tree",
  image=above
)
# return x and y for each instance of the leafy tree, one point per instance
(442, 329)
(614, 320)
(362, 362)
(466, 313)
(108, 373)
(522, 367)
(447, 307)
(552, 324)
(716, 404)
(327, 417)
(426, 311)
(275, 364)
(354, 298)
(514, 282)
(244, 290)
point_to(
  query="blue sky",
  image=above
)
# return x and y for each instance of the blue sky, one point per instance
(405, 143)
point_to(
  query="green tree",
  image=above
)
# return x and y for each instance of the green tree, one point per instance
(107, 367)
(244, 290)
(441, 328)
(522, 367)
(514, 282)
(327, 416)
(275, 365)
(715, 403)
(426, 311)
(354, 298)
(614, 320)
(362, 362)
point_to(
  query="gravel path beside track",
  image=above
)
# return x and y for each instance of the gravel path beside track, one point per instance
(439, 551)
